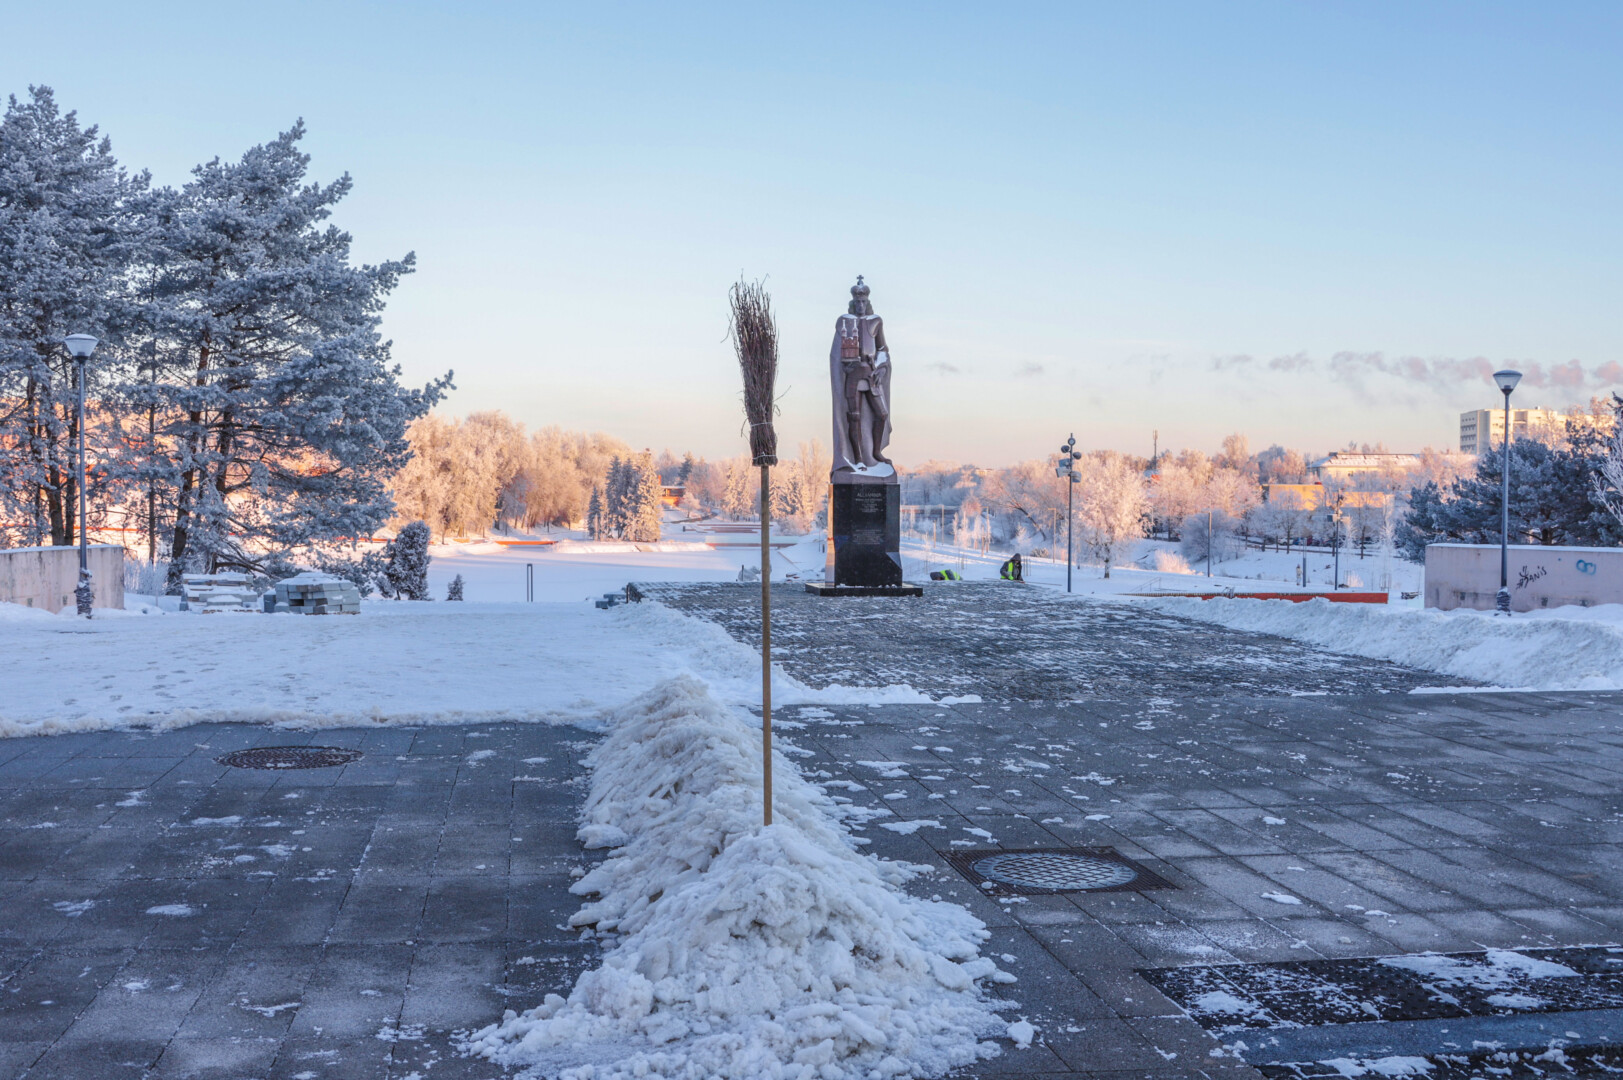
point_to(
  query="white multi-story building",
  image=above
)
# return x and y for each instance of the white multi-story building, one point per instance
(1483, 429)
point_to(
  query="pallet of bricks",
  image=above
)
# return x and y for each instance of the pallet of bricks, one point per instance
(213, 593)
(317, 594)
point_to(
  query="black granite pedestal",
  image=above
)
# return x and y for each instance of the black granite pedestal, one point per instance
(865, 539)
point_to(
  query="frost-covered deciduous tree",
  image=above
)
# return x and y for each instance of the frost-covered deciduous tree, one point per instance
(1221, 527)
(68, 237)
(1032, 497)
(282, 417)
(800, 490)
(1111, 505)
(1284, 516)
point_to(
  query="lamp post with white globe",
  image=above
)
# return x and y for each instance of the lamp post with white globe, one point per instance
(81, 346)
(1507, 381)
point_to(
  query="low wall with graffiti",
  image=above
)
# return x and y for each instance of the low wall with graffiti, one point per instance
(1467, 575)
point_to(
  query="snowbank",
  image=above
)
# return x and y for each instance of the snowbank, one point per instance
(1559, 649)
(739, 950)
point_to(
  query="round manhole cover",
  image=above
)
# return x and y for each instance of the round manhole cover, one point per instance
(1054, 870)
(289, 757)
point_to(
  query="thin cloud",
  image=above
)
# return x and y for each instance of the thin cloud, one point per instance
(942, 368)
(1235, 360)
(1028, 371)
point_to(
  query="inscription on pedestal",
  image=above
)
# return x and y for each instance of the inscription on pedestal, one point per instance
(866, 522)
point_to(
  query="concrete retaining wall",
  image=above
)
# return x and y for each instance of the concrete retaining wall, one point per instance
(1467, 575)
(45, 577)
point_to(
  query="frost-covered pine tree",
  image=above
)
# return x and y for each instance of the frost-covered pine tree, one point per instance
(282, 418)
(614, 498)
(740, 497)
(67, 237)
(454, 590)
(594, 514)
(645, 501)
(408, 560)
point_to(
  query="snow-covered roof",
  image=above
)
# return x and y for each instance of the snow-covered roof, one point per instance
(1340, 460)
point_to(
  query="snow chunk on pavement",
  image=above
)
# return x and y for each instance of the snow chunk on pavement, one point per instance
(1396, 1065)
(742, 949)
(1022, 1033)
(1498, 969)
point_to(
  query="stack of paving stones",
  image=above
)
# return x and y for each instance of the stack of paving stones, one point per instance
(317, 594)
(211, 593)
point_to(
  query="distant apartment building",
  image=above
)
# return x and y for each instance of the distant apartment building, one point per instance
(1481, 429)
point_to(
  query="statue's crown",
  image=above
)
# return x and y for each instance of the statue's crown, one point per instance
(859, 291)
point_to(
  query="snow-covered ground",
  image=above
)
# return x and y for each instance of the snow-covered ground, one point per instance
(396, 662)
(1256, 571)
(576, 569)
(560, 659)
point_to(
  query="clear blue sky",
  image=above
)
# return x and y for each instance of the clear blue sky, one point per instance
(1073, 217)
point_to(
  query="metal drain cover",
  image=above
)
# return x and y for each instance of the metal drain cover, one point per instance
(1046, 870)
(1053, 870)
(289, 757)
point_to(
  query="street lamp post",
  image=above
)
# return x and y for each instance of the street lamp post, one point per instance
(1335, 542)
(81, 346)
(1507, 381)
(1068, 456)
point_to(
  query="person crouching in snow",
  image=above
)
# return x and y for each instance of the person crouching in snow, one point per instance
(1011, 569)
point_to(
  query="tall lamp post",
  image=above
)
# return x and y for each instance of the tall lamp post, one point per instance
(81, 346)
(1335, 540)
(1507, 381)
(1068, 456)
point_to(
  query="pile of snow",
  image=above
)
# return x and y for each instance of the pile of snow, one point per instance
(1559, 649)
(742, 950)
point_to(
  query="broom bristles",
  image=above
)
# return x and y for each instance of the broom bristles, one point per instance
(755, 339)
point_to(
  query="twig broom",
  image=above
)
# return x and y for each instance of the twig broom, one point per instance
(755, 339)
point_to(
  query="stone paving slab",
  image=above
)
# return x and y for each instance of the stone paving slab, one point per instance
(309, 912)
(1010, 641)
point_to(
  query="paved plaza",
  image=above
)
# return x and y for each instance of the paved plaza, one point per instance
(171, 916)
